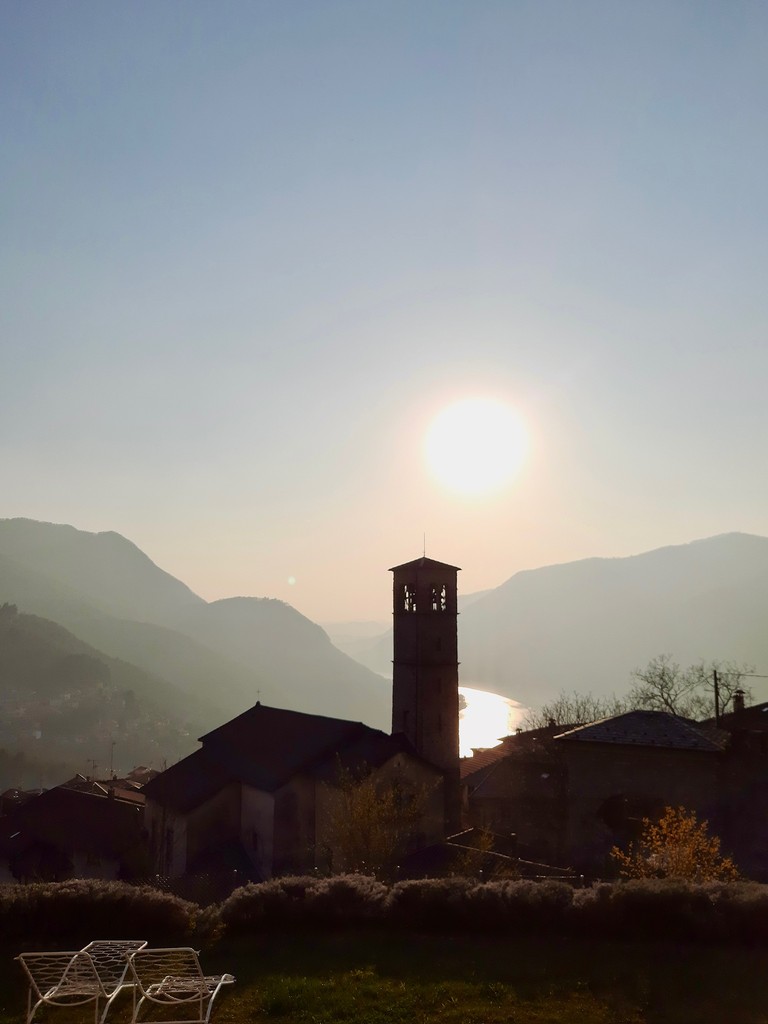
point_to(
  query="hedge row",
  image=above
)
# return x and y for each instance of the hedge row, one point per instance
(649, 908)
(74, 912)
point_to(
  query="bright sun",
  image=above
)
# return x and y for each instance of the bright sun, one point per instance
(475, 446)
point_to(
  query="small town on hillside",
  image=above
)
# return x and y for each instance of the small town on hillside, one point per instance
(275, 792)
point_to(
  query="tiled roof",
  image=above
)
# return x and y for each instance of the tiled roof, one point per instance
(189, 782)
(265, 747)
(753, 719)
(646, 729)
(480, 759)
(530, 744)
(73, 820)
(371, 749)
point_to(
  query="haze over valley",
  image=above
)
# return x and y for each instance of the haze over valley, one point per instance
(98, 645)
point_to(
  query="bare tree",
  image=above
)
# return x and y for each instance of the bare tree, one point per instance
(575, 709)
(688, 692)
(661, 686)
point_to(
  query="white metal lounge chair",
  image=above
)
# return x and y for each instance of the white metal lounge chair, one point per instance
(110, 958)
(61, 979)
(173, 978)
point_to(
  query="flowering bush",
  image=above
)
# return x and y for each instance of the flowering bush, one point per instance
(676, 846)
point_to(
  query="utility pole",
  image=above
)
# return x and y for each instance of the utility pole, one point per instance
(716, 683)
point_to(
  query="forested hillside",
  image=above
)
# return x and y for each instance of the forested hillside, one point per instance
(66, 702)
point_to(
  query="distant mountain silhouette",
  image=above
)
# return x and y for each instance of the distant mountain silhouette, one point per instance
(106, 571)
(299, 667)
(110, 595)
(586, 625)
(581, 625)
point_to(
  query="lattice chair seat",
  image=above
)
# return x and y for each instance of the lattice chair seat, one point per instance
(110, 958)
(173, 977)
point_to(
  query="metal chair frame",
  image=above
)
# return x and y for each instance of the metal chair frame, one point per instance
(61, 979)
(173, 977)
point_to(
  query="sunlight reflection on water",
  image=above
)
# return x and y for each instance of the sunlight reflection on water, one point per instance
(486, 719)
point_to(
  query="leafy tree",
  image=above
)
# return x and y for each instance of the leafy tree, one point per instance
(373, 821)
(676, 846)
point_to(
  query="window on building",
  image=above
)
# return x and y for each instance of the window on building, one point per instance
(409, 597)
(439, 597)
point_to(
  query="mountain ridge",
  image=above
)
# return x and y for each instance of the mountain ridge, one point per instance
(587, 624)
(105, 590)
(580, 625)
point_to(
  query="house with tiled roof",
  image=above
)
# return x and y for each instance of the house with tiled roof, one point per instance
(624, 768)
(79, 829)
(258, 795)
(570, 794)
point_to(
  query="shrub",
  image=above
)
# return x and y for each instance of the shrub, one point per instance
(644, 908)
(431, 903)
(739, 911)
(79, 910)
(676, 846)
(304, 900)
(267, 904)
(518, 905)
(348, 899)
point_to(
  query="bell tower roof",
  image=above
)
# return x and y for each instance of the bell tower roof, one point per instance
(425, 563)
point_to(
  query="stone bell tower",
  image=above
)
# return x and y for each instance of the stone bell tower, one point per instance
(425, 676)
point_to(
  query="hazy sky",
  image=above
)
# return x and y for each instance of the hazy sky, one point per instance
(249, 249)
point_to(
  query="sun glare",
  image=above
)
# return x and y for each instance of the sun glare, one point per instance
(486, 718)
(475, 446)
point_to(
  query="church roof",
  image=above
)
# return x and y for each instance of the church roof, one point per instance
(646, 729)
(265, 747)
(425, 563)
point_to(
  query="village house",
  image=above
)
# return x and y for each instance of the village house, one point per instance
(571, 794)
(81, 829)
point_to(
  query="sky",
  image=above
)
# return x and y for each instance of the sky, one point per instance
(249, 250)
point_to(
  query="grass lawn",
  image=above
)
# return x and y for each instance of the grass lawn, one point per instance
(392, 978)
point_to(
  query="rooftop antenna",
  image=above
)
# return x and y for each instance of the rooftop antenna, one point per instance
(424, 546)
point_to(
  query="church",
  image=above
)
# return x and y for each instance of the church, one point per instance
(261, 794)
